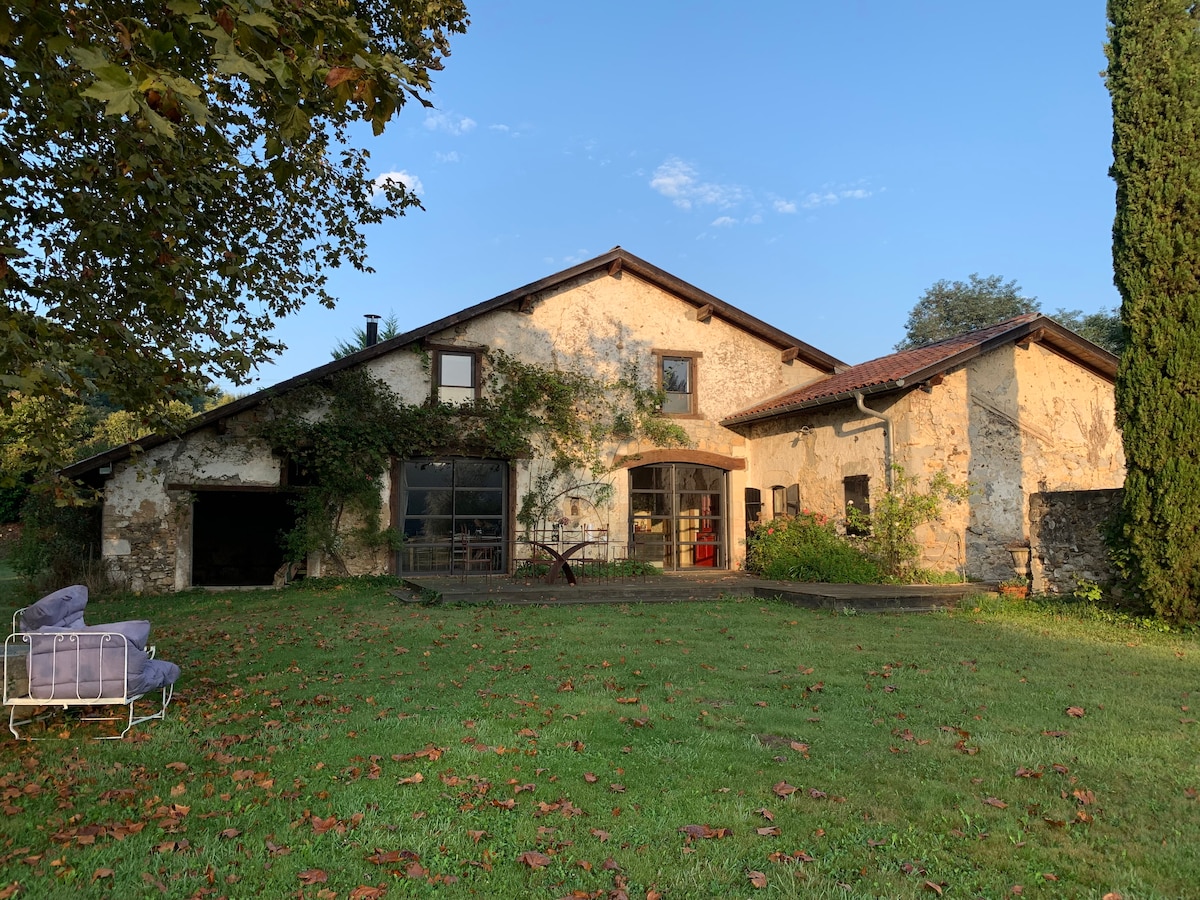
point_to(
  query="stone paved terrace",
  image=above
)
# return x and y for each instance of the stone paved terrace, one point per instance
(691, 587)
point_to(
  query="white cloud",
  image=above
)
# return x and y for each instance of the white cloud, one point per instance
(456, 125)
(785, 206)
(723, 222)
(814, 200)
(498, 127)
(677, 181)
(410, 181)
(451, 157)
(830, 196)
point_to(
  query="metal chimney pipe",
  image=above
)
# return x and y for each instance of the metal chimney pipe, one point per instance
(372, 329)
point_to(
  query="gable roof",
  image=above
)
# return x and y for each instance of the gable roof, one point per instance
(615, 262)
(908, 368)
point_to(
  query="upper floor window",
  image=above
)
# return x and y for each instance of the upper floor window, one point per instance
(457, 377)
(677, 380)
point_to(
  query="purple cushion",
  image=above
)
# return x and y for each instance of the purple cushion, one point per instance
(62, 609)
(87, 663)
(157, 675)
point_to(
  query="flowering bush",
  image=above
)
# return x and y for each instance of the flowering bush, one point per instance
(807, 548)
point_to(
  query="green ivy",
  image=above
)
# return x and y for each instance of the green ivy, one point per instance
(562, 417)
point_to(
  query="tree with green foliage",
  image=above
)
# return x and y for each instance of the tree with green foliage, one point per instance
(176, 175)
(1102, 328)
(388, 329)
(1154, 78)
(950, 308)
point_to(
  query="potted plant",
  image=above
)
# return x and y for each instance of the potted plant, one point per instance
(1015, 587)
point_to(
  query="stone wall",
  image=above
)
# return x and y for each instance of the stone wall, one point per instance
(1066, 538)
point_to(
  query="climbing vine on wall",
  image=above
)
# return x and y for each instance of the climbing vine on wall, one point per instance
(340, 434)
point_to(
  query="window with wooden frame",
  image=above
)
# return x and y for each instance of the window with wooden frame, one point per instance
(456, 376)
(778, 501)
(857, 489)
(677, 380)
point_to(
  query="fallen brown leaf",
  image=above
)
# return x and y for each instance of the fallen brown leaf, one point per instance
(534, 859)
(783, 789)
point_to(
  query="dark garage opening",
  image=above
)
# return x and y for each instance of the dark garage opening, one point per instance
(237, 537)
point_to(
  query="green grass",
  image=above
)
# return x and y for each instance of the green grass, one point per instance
(592, 735)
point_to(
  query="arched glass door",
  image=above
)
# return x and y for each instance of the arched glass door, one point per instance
(677, 516)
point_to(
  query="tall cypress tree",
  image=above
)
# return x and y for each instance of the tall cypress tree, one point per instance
(1154, 79)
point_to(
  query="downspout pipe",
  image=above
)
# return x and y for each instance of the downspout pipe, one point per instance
(887, 435)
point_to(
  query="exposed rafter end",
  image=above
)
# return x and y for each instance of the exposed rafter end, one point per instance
(526, 304)
(614, 268)
(704, 313)
(930, 383)
(1033, 337)
(790, 354)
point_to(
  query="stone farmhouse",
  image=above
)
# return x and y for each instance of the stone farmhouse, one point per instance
(775, 426)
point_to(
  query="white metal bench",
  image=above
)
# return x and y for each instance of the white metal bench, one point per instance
(48, 669)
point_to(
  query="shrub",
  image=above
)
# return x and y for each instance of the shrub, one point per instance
(807, 548)
(891, 526)
(59, 545)
(11, 499)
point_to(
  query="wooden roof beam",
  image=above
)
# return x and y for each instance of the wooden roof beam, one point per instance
(1033, 337)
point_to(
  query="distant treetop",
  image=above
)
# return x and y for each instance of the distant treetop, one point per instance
(950, 308)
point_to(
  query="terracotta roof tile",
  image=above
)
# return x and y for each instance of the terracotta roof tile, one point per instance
(884, 371)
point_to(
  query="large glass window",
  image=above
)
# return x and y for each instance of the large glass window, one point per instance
(453, 515)
(677, 516)
(457, 380)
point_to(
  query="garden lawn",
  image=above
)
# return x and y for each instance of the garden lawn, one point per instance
(335, 742)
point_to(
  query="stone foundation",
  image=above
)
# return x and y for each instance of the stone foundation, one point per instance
(1066, 536)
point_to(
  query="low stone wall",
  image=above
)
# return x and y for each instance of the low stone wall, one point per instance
(1066, 538)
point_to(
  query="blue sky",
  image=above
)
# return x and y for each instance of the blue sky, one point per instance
(817, 164)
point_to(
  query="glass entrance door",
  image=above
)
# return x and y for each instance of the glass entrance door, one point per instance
(677, 516)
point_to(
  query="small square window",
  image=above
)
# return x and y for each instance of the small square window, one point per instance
(457, 377)
(677, 383)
